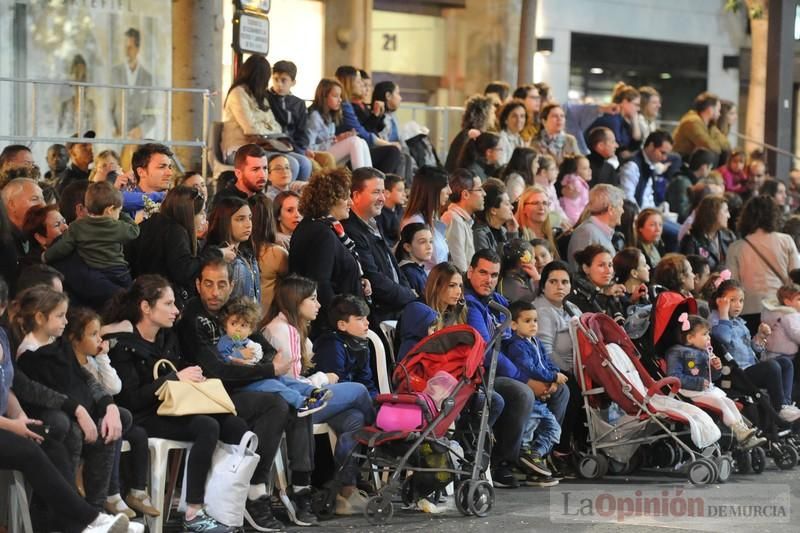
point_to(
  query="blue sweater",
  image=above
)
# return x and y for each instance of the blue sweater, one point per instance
(480, 317)
(530, 358)
(734, 336)
(691, 366)
(350, 122)
(346, 356)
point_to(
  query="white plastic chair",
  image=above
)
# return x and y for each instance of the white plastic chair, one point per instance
(159, 456)
(19, 513)
(380, 360)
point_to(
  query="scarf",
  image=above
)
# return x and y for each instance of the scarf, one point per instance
(345, 239)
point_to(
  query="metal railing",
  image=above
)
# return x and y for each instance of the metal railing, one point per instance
(123, 139)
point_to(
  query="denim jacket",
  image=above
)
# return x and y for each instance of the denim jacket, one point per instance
(735, 338)
(691, 366)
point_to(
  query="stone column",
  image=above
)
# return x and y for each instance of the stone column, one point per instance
(347, 34)
(196, 63)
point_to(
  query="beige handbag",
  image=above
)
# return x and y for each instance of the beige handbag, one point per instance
(181, 398)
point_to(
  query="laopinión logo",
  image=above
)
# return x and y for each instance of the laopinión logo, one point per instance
(673, 504)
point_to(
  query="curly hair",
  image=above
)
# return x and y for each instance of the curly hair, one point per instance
(760, 212)
(507, 109)
(323, 191)
(478, 112)
(243, 308)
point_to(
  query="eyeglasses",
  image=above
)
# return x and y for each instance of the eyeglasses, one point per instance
(479, 189)
(545, 203)
(287, 168)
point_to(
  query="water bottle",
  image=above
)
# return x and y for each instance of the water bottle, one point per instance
(614, 413)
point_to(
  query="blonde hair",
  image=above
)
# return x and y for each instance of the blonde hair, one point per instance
(99, 158)
(547, 229)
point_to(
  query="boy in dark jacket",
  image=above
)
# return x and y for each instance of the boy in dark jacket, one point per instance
(393, 208)
(543, 429)
(345, 350)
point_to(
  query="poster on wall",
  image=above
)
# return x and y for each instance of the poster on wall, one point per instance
(118, 42)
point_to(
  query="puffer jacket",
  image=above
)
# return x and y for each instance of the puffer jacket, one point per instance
(784, 321)
(530, 358)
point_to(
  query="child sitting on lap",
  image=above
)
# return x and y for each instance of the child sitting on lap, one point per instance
(240, 317)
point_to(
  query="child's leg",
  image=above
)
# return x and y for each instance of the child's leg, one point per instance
(301, 387)
(716, 397)
(346, 396)
(557, 404)
(548, 430)
(787, 377)
(292, 397)
(99, 462)
(527, 434)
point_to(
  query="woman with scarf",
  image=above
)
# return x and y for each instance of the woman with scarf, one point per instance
(552, 139)
(320, 249)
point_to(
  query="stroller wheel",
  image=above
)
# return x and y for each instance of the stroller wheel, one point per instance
(741, 461)
(702, 472)
(786, 458)
(724, 465)
(593, 466)
(758, 460)
(480, 498)
(462, 498)
(379, 510)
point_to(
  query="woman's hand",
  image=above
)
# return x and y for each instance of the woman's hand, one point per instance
(332, 378)
(378, 108)
(123, 180)
(228, 253)
(86, 424)
(111, 425)
(473, 133)
(615, 290)
(512, 225)
(20, 425)
(192, 374)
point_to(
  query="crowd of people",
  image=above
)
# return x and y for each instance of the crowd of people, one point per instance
(330, 224)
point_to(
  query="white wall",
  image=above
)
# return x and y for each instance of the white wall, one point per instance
(702, 22)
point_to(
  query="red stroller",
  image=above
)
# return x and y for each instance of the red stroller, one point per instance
(420, 460)
(609, 369)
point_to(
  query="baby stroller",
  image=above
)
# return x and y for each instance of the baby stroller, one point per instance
(419, 457)
(755, 404)
(609, 369)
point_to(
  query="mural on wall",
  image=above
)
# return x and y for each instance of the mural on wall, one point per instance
(119, 42)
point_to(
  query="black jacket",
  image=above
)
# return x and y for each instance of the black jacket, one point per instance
(590, 299)
(165, 247)
(133, 358)
(290, 112)
(317, 253)
(55, 366)
(372, 123)
(602, 171)
(691, 244)
(380, 268)
(199, 331)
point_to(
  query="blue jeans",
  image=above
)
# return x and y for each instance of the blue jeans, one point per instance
(542, 430)
(293, 391)
(510, 425)
(557, 404)
(349, 409)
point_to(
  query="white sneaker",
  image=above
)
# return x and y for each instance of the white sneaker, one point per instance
(356, 503)
(793, 407)
(789, 413)
(742, 432)
(105, 523)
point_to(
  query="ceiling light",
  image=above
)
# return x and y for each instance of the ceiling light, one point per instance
(665, 76)
(596, 70)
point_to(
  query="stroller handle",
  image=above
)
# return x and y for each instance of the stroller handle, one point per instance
(494, 306)
(672, 382)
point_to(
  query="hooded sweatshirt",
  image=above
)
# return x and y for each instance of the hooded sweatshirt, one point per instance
(413, 326)
(785, 324)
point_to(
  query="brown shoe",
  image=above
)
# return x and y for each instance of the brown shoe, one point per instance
(142, 505)
(118, 507)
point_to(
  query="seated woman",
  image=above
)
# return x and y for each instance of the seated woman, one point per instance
(149, 305)
(231, 226)
(631, 270)
(428, 196)
(554, 314)
(478, 117)
(386, 95)
(533, 217)
(552, 140)
(709, 235)
(594, 290)
(674, 273)
(482, 155)
(649, 228)
(496, 224)
(519, 172)
(443, 301)
(513, 117)
(247, 117)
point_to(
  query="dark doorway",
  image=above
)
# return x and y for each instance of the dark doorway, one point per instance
(678, 71)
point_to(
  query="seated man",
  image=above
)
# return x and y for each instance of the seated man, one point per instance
(605, 208)
(390, 289)
(517, 397)
(267, 415)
